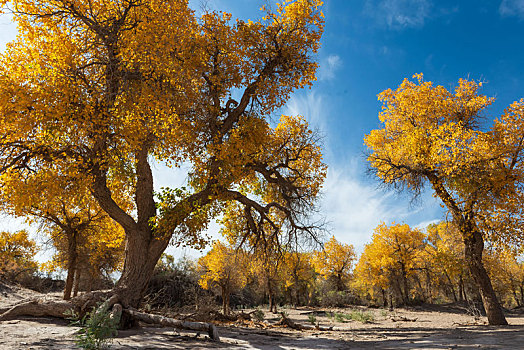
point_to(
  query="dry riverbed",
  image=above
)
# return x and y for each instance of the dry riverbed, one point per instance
(414, 328)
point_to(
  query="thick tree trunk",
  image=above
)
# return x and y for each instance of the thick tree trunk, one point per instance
(69, 282)
(142, 254)
(474, 245)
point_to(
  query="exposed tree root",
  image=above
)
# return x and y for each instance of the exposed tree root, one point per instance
(210, 328)
(37, 308)
(40, 307)
(286, 321)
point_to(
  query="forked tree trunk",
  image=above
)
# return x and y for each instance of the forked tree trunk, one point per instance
(474, 245)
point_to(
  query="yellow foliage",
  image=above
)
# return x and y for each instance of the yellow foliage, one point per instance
(431, 134)
(392, 257)
(223, 267)
(17, 254)
(335, 261)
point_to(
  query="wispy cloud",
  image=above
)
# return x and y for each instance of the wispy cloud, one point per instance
(311, 106)
(511, 8)
(353, 209)
(399, 14)
(329, 67)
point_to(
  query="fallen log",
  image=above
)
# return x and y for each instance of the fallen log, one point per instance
(286, 321)
(38, 309)
(403, 319)
(210, 328)
(44, 307)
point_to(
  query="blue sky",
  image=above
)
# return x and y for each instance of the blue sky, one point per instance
(369, 46)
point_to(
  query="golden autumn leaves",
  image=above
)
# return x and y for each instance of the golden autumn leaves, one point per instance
(435, 135)
(96, 92)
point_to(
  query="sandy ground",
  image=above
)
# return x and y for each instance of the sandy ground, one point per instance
(416, 328)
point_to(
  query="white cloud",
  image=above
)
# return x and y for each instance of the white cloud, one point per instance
(424, 224)
(328, 67)
(399, 14)
(354, 209)
(310, 106)
(512, 8)
(7, 30)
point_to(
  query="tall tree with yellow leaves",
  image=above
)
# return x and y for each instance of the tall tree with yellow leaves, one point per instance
(17, 253)
(224, 267)
(80, 231)
(433, 135)
(101, 88)
(335, 262)
(389, 261)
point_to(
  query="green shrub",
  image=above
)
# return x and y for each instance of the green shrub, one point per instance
(97, 328)
(360, 316)
(258, 315)
(312, 319)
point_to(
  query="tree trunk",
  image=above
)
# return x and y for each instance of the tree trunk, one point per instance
(170, 322)
(474, 245)
(225, 301)
(452, 288)
(71, 264)
(76, 284)
(142, 254)
(405, 284)
(384, 298)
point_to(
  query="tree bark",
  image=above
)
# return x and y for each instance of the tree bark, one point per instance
(474, 245)
(142, 254)
(71, 264)
(170, 322)
(76, 284)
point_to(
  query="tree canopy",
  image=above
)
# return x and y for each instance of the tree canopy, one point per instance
(96, 91)
(436, 136)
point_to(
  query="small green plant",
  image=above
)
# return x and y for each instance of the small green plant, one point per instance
(360, 316)
(364, 317)
(97, 328)
(312, 319)
(384, 313)
(258, 315)
(340, 317)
